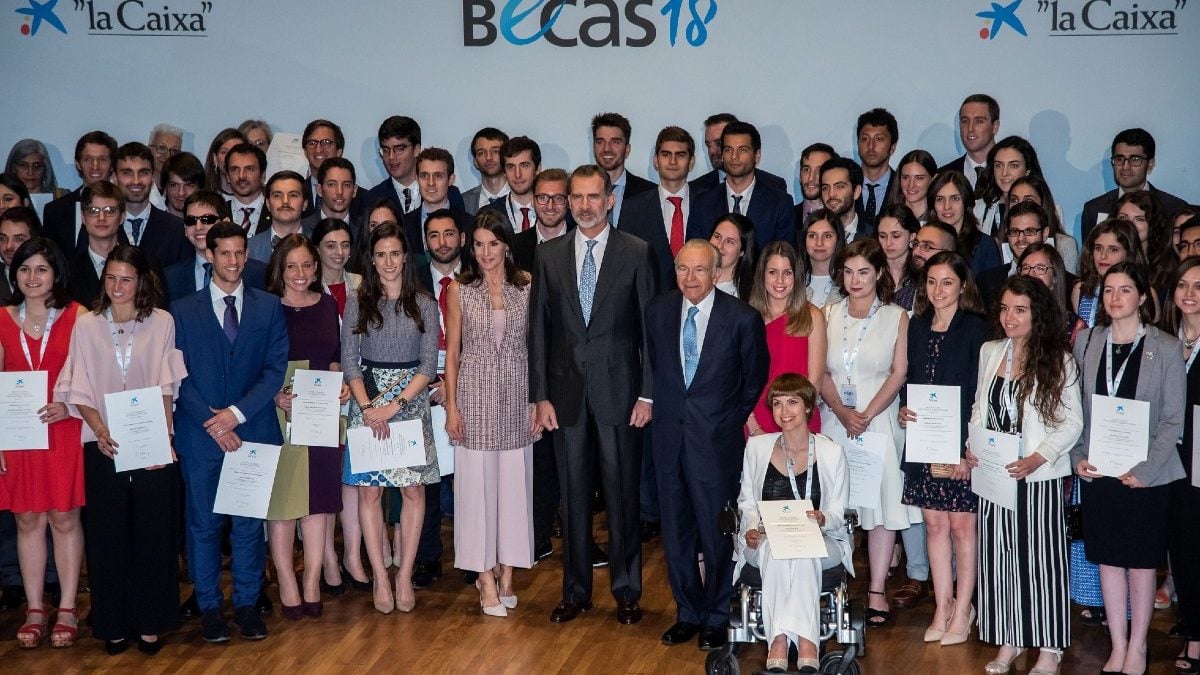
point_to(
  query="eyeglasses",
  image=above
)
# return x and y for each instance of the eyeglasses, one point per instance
(1185, 246)
(30, 166)
(1132, 160)
(1030, 232)
(1036, 269)
(97, 210)
(387, 150)
(207, 219)
(160, 149)
(926, 247)
(312, 143)
(545, 199)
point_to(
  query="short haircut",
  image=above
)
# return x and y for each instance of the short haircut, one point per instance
(851, 166)
(104, 189)
(612, 119)
(590, 171)
(440, 214)
(720, 118)
(945, 228)
(490, 133)
(993, 106)
(742, 128)
(223, 230)
(818, 147)
(250, 125)
(518, 144)
(336, 163)
(339, 139)
(133, 150)
(287, 174)
(185, 165)
(1030, 208)
(209, 198)
(1192, 221)
(399, 126)
(24, 215)
(549, 176)
(164, 129)
(94, 138)
(879, 117)
(247, 148)
(793, 384)
(1136, 136)
(436, 155)
(676, 135)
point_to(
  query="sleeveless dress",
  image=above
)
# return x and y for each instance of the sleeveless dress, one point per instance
(788, 354)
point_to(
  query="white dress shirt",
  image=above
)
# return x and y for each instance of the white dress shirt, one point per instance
(237, 208)
(218, 304)
(705, 306)
(413, 190)
(97, 262)
(198, 270)
(851, 229)
(597, 251)
(746, 195)
(969, 166)
(514, 212)
(128, 226)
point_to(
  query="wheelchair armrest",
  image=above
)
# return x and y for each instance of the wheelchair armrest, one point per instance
(851, 517)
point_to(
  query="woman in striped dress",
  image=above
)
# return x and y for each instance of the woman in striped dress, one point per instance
(1029, 386)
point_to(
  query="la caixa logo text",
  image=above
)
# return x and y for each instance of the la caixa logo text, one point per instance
(590, 23)
(123, 17)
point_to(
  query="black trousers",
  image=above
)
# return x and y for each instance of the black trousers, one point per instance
(545, 489)
(131, 541)
(618, 448)
(1184, 551)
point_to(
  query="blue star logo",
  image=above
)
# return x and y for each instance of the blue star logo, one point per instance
(999, 15)
(39, 12)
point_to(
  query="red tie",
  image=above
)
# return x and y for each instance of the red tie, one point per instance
(442, 283)
(524, 218)
(676, 224)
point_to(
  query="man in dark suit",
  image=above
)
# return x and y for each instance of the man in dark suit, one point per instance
(286, 201)
(322, 140)
(811, 160)
(709, 370)
(841, 186)
(435, 177)
(246, 169)
(550, 204)
(1028, 224)
(103, 206)
(485, 154)
(522, 159)
(61, 220)
(18, 225)
(337, 189)
(660, 217)
(978, 123)
(877, 134)
(399, 144)
(610, 148)
(590, 379)
(235, 346)
(714, 126)
(769, 209)
(1132, 161)
(146, 226)
(202, 210)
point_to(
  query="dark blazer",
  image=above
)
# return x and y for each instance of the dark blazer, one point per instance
(356, 225)
(83, 284)
(414, 226)
(643, 217)
(1104, 204)
(860, 205)
(246, 374)
(710, 180)
(58, 221)
(771, 211)
(523, 247)
(180, 278)
(958, 164)
(605, 358)
(386, 188)
(163, 239)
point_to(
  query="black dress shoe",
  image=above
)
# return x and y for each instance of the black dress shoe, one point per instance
(249, 622)
(541, 552)
(149, 648)
(566, 611)
(213, 627)
(11, 597)
(599, 558)
(650, 530)
(713, 638)
(680, 633)
(114, 647)
(263, 605)
(628, 613)
(426, 574)
(190, 609)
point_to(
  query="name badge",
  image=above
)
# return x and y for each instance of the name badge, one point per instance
(441, 367)
(849, 394)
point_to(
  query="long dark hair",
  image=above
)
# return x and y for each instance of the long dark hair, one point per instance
(212, 172)
(1061, 293)
(278, 262)
(1138, 276)
(969, 301)
(925, 161)
(968, 235)
(1045, 349)
(1126, 234)
(744, 270)
(986, 188)
(370, 291)
(799, 317)
(494, 222)
(13, 183)
(885, 286)
(46, 248)
(1160, 254)
(839, 240)
(149, 293)
(1046, 197)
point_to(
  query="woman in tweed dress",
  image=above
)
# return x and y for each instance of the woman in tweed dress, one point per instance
(488, 415)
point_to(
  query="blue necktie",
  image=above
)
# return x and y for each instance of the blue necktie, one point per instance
(737, 204)
(691, 357)
(587, 282)
(231, 319)
(207, 275)
(137, 229)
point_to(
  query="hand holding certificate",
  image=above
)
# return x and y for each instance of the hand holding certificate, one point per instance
(991, 479)
(137, 424)
(316, 408)
(404, 446)
(1120, 434)
(23, 395)
(935, 436)
(247, 476)
(864, 463)
(791, 532)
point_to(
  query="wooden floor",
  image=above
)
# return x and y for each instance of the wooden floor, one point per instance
(447, 634)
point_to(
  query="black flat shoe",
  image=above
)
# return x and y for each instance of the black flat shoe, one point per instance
(567, 611)
(150, 648)
(114, 647)
(336, 591)
(712, 638)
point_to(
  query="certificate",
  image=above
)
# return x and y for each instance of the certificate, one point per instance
(990, 480)
(137, 422)
(404, 447)
(791, 532)
(936, 436)
(441, 439)
(1120, 435)
(316, 409)
(286, 152)
(247, 476)
(864, 463)
(24, 394)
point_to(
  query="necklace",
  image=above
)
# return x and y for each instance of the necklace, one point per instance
(1188, 344)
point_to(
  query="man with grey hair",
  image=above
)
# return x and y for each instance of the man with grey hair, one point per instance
(165, 142)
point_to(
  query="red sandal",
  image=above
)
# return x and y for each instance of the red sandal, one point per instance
(31, 635)
(64, 635)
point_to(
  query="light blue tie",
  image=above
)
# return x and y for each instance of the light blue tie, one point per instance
(691, 357)
(587, 282)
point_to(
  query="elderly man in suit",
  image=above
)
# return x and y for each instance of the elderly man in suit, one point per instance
(708, 352)
(590, 380)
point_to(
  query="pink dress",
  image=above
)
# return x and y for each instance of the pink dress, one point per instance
(789, 354)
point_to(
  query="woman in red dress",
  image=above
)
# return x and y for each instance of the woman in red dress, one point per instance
(42, 486)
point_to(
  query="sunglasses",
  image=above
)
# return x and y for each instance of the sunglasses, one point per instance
(207, 219)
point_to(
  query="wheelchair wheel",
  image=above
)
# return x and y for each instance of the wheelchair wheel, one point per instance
(722, 661)
(831, 664)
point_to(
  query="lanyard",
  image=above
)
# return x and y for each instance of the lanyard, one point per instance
(849, 357)
(812, 452)
(45, 334)
(123, 360)
(1007, 395)
(1114, 384)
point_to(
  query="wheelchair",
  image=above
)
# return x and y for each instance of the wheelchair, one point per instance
(842, 619)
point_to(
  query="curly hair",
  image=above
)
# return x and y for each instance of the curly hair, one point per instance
(1045, 350)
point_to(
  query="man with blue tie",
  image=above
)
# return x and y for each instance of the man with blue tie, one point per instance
(235, 345)
(708, 353)
(877, 133)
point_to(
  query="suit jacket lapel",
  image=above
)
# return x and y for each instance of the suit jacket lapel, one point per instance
(609, 272)
(673, 329)
(566, 267)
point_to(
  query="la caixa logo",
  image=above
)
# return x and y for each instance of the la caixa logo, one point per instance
(118, 18)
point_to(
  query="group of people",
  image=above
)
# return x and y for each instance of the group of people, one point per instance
(665, 348)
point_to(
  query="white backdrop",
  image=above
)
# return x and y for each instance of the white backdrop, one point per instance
(802, 70)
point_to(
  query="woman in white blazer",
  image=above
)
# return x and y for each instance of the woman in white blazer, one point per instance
(794, 464)
(1029, 386)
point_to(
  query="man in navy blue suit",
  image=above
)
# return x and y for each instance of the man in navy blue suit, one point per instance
(235, 345)
(768, 208)
(708, 354)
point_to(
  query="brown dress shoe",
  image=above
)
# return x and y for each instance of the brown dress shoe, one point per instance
(910, 594)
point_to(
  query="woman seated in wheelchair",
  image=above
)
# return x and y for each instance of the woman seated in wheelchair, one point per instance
(794, 464)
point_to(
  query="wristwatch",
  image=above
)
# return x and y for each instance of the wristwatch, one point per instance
(401, 401)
